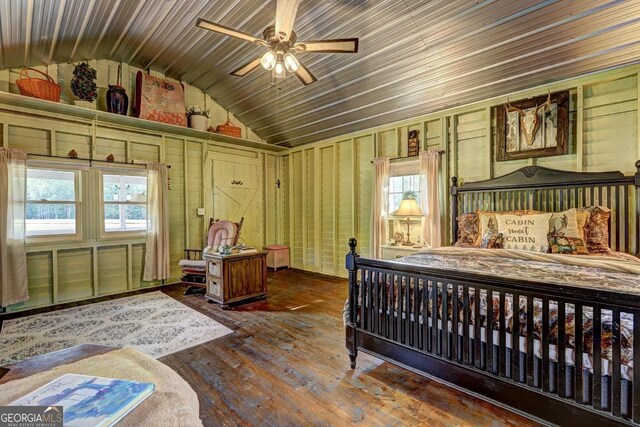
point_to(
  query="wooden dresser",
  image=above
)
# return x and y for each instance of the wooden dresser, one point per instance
(234, 278)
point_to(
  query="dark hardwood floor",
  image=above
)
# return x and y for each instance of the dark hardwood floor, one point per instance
(286, 364)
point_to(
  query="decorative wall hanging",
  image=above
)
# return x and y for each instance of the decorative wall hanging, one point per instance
(73, 154)
(227, 128)
(536, 127)
(413, 148)
(83, 85)
(159, 100)
(117, 99)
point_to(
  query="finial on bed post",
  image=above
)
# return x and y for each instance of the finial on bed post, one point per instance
(454, 208)
(352, 267)
(638, 173)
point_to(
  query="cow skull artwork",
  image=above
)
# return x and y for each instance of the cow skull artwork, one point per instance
(529, 119)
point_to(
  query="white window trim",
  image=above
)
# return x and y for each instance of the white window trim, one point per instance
(78, 203)
(112, 235)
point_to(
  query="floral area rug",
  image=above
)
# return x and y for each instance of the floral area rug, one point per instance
(153, 323)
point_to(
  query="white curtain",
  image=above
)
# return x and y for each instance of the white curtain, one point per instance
(430, 197)
(380, 202)
(156, 261)
(13, 256)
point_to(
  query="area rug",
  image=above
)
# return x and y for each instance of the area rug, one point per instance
(153, 323)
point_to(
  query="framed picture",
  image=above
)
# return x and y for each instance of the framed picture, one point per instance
(536, 127)
(413, 147)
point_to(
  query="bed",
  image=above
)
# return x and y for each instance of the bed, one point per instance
(571, 361)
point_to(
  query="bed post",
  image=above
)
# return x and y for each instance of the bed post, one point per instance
(454, 209)
(637, 184)
(351, 262)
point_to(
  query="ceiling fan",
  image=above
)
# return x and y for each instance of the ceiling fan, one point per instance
(283, 45)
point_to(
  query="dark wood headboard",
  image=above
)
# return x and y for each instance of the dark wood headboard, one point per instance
(551, 190)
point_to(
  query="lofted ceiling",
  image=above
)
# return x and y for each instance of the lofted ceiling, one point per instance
(415, 57)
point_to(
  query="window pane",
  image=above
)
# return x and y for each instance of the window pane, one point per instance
(50, 185)
(394, 202)
(395, 184)
(124, 188)
(119, 217)
(47, 219)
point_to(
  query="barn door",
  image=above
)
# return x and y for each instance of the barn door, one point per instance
(236, 193)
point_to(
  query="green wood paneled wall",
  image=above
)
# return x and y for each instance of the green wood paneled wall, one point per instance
(603, 136)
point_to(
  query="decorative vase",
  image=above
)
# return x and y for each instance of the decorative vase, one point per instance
(85, 104)
(199, 122)
(117, 100)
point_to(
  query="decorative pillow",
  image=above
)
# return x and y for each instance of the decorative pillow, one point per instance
(564, 224)
(582, 218)
(467, 229)
(487, 220)
(567, 245)
(525, 232)
(492, 240)
(597, 230)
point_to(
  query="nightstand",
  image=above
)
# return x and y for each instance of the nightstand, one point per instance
(235, 278)
(393, 252)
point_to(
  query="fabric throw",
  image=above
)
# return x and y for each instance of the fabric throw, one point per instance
(153, 323)
(564, 224)
(525, 232)
(13, 255)
(567, 245)
(156, 260)
(492, 240)
(597, 230)
(468, 230)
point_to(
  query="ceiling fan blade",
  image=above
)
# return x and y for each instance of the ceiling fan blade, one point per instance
(211, 26)
(328, 46)
(247, 68)
(305, 75)
(285, 16)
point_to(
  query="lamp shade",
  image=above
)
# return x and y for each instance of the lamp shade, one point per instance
(408, 207)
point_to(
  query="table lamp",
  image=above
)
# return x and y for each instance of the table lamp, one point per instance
(408, 208)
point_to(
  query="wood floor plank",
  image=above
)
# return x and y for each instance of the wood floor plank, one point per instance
(286, 363)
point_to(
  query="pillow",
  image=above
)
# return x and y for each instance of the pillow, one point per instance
(526, 232)
(567, 245)
(564, 224)
(582, 218)
(467, 229)
(597, 230)
(492, 240)
(487, 220)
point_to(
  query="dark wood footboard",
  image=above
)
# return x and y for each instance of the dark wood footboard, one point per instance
(425, 320)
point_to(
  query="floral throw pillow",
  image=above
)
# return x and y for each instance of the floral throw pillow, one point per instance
(467, 230)
(492, 240)
(567, 245)
(597, 230)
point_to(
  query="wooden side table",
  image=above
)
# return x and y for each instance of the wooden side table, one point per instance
(235, 278)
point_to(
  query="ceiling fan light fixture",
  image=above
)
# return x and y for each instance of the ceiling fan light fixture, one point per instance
(269, 60)
(279, 71)
(291, 63)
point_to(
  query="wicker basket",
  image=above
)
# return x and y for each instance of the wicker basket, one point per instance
(38, 88)
(227, 128)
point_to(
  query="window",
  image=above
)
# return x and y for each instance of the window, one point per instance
(125, 202)
(398, 185)
(52, 206)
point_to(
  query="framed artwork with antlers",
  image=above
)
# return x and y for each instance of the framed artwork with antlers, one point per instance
(535, 127)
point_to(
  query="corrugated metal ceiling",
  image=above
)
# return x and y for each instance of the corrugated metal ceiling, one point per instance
(415, 56)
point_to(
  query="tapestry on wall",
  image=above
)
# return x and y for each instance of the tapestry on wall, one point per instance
(536, 127)
(159, 100)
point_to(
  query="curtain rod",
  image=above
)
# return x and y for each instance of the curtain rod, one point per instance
(88, 160)
(409, 157)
